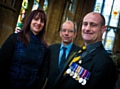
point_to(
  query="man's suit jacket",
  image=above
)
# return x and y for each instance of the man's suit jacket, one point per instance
(53, 67)
(101, 66)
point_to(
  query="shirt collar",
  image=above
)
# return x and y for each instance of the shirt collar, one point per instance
(93, 46)
(68, 46)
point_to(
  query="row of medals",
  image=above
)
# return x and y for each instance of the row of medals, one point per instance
(78, 73)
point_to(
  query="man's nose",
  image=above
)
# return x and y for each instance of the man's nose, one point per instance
(88, 27)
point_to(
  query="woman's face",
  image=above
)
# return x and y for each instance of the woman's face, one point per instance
(36, 25)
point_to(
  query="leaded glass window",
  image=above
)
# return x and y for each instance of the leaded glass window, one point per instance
(110, 9)
(69, 10)
(72, 5)
(45, 7)
(22, 15)
(23, 12)
(36, 5)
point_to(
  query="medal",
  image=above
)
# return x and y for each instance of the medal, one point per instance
(77, 78)
(80, 74)
(68, 71)
(77, 71)
(75, 75)
(74, 69)
(88, 75)
(70, 68)
(80, 80)
(72, 73)
(83, 82)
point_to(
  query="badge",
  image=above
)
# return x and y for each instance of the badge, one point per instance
(68, 71)
(74, 69)
(80, 80)
(77, 78)
(83, 82)
(77, 71)
(75, 75)
(80, 61)
(70, 68)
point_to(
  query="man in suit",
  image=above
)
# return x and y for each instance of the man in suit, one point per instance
(91, 67)
(67, 33)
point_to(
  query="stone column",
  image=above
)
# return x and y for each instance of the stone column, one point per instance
(8, 17)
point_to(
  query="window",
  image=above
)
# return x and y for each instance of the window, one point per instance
(69, 10)
(110, 9)
(21, 15)
(23, 12)
(72, 6)
(36, 5)
(45, 7)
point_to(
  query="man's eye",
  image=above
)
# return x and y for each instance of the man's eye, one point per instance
(93, 24)
(85, 24)
(63, 30)
(71, 31)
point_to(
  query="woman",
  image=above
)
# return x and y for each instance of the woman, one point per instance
(23, 55)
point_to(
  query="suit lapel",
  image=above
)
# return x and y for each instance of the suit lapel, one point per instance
(64, 68)
(55, 55)
(71, 55)
(57, 52)
(72, 49)
(90, 55)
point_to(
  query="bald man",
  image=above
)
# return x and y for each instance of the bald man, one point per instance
(91, 67)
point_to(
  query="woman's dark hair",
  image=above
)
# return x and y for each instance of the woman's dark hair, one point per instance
(25, 33)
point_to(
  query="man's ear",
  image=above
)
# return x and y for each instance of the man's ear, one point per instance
(104, 28)
(60, 33)
(75, 35)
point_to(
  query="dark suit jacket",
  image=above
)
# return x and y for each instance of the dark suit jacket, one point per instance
(102, 68)
(53, 67)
